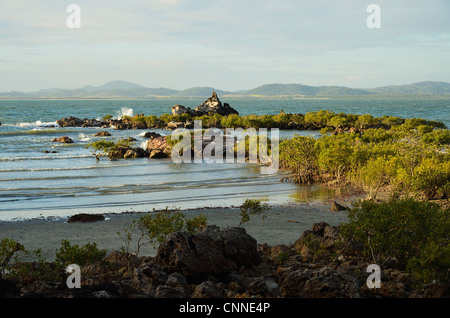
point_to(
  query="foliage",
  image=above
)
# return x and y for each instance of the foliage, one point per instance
(414, 232)
(107, 117)
(159, 225)
(252, 207)
(12, 264)
(154, 228)
(299, 155)
(8, 248)
(104, 147)
(81, 255)
(411, 162)
(311, 120)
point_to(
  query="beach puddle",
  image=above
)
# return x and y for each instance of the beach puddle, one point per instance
(317, 193)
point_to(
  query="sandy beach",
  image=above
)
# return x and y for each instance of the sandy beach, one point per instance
(284, 224)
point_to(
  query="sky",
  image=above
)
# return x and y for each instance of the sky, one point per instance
(226, 44)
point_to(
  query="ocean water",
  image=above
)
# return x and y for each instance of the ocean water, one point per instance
(34, 183)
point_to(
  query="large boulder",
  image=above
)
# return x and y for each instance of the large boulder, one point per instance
(102, 133)
(325, 282)
(157, 145)
(213, 251)
(63, 139)
(70, 122)
(85, 217)
(134, 153)
(213, 105)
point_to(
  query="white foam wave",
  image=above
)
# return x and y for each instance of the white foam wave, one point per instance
(124, 111)
(83, 137)
(38, 124)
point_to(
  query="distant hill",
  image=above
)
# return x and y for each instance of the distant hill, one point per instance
(299, 89)
(421, 88)
(200, 92)
(123, 89)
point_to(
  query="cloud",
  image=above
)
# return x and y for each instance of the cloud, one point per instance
(321, 40)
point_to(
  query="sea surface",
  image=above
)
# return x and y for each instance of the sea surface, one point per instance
(35, 183)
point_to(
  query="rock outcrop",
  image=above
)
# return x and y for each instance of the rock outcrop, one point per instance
(158, 147)
(85, 217)
(213, 251)
(102, 133)
(211, 106)
(63, 139)
(127, 152)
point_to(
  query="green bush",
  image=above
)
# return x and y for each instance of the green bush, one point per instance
(9, 250)
(252, 207)
(104, 147)
(159, 225)
(299, 155)
(414, 232)
(81, 255)
(13, 264)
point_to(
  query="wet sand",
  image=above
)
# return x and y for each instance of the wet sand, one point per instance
(284, 224)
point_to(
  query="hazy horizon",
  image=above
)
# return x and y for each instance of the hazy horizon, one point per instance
(232, 45)
(217, 88)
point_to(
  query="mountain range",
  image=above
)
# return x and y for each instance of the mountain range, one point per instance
(127, 90)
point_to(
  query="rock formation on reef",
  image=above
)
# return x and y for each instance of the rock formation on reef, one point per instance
(63, 139)
(211, 105)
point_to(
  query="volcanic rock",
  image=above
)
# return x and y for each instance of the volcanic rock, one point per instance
(84, 217)
(102, 134)
(64, 139)
(211, 105)
(213, 251)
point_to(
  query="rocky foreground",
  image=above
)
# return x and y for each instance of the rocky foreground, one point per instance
(229, 263)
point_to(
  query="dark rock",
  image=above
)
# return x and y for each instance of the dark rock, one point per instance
(8, 289)
(279, 252)
(324, 282)
(157, 154)
(208, 289)
(134, 153)
(264, 286)
(70, 122)
(164, 291)
(210, 252)
(300, 245)
(64, 139)
(151, 135)
(337, 207)
(319, 228)
(119, 153)
(211, 105)
(91, 123)
(102, 134)
(176, 280)
(84, 217)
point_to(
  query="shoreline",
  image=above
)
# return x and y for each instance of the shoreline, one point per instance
(284, 224)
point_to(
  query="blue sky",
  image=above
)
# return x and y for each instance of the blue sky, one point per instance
(227, 44)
